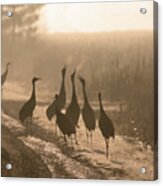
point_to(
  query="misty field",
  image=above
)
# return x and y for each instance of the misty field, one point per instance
(118, 64)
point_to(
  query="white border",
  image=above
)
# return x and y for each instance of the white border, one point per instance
(33, 182)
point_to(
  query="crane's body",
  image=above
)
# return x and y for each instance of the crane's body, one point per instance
(73, 110)
(51, 110)
(26, 112)
(88, 115)
(65, 124)
(106, 126)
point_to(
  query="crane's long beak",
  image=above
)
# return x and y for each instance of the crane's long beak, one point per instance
(74, 72)
(65, 66)
(38, 79)
(80, 77)
(8, 63)
(54, 96)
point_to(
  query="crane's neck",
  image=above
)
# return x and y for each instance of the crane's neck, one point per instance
(84, 93)
(33, 96)
(62, 84)
(100, 102)
(73, 90)
(6, 71)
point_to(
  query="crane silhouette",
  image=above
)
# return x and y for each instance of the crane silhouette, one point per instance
(26, 112)
(65, 124)
(88, 115)
(105, 125)
(4, 75)
(60, 101)
(73, 110)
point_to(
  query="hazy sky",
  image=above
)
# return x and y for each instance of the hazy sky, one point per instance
(96, 17)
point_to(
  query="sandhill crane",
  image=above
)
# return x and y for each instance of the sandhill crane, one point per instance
(65, 124)
(4, 75)
(26, 112)
(61, 100)
(105, 125)
(73, 110)
(88, 115)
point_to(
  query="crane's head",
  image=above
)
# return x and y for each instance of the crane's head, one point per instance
(35, 79)
(99, 94)
(73, 75)
(82, 80)
(56, 96)
(8, 64)
(64, 70)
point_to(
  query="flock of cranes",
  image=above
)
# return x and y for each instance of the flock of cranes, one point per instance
(68, 122)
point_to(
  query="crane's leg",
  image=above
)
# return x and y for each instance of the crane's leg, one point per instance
(87, 135)
(27, 127)
(71, 137)
(65, 139)
(31, 124)
(28, 131)
(91, 138)
(107, 147)
(56, 129)
(49, 127)
(60, 133)
(76, 141)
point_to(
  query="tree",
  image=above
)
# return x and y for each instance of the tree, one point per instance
(23, 21)
(18, 35)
